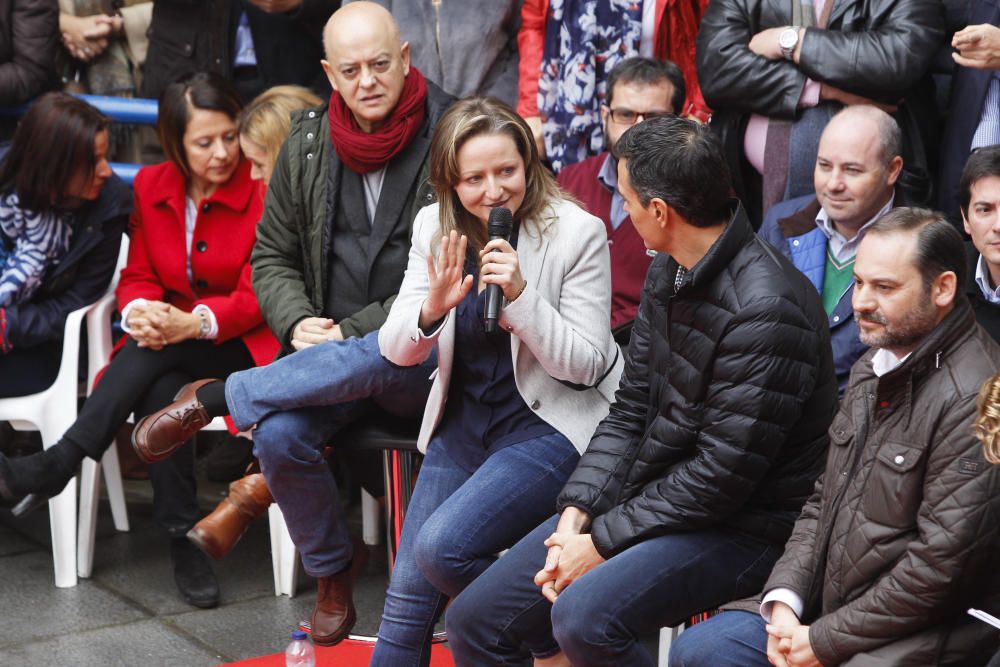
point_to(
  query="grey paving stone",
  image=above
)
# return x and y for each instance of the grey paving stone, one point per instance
(149, 643)
(12, 542)
(34, 608)
(247, 629)
(129, 612)
(143, 555)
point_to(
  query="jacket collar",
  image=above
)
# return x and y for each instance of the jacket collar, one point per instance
(804, 220)
(932, 352)
(735, 236)
(171, 188)
(972, 289)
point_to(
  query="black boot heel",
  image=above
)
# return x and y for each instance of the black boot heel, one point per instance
(29, 503)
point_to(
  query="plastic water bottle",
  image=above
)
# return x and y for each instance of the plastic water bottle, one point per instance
(300, 652)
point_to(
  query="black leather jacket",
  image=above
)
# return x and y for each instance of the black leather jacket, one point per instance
(722, 411)
(199, 35)
(879, 49)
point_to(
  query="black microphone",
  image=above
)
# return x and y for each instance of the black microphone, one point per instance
(500, 225)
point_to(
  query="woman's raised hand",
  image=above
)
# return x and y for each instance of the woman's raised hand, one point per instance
(500, 267)
(446, 286)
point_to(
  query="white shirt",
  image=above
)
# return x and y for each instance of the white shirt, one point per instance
(983, 280)
(841, 248)
(373, 189)
(883, 361)
(190, 220)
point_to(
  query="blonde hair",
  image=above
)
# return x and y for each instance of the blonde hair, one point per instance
(267, 119)
(987, 426)
(472, 117)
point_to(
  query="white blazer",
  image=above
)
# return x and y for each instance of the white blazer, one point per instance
(560, 325)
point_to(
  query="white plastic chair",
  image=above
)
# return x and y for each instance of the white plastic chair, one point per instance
(98, 352)
(284, 556)
(667, 637)
(51, 412)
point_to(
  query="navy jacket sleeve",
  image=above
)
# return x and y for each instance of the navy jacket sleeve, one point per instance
(43, 319)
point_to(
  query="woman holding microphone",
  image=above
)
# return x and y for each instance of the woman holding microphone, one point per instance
(509, 411)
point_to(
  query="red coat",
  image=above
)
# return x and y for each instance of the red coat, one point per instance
(673, 39)
(224, 236)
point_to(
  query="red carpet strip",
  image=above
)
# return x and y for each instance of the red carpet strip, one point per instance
(349, 653)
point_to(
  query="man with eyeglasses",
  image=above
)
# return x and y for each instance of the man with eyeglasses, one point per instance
(638, 89)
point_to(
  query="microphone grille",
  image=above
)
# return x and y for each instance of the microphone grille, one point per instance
(501, 222)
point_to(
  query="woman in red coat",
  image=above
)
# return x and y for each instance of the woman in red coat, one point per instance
(187, 306)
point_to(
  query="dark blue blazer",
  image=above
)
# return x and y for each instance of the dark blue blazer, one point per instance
(968, 92)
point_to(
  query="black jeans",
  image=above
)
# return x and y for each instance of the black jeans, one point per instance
(142, 381)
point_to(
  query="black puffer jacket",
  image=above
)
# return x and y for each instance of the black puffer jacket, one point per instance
(880, 49)
(722, 412)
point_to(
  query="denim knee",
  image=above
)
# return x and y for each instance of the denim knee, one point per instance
(438, 556)
(464, 625)
(572, 624)
(277, 443)
(575, 623)
(687, 652)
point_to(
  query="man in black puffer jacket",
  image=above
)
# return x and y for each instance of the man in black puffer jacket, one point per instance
(690, 487)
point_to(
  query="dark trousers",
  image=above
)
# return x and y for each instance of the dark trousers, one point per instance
(142, 381)
(29, 370)
(502, 618)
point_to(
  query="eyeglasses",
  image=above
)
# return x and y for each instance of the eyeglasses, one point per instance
(625, 116)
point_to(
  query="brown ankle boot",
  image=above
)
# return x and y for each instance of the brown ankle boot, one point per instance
(334, 615)
(219, 532)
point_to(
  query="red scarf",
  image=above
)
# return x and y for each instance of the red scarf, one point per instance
(364, 152)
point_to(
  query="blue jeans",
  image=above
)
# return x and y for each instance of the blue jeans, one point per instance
(456, 523)
(298, 403)
(502, 618)
(731, 639)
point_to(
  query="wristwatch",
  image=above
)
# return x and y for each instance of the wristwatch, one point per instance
(205, 327)
(788, 39)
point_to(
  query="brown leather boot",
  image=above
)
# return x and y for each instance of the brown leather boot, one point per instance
(334, 615)
(219, 532)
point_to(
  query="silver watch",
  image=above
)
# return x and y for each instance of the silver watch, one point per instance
(788, 39)
(205, 327)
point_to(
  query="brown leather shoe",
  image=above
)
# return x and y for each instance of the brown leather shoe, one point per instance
(334, 615)
(162, 433)
(219, 532)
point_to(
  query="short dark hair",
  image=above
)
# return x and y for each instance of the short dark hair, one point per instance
(53, 142)
(201, 90)
(649, 71)
(983, 163)
(679, 161)
(940, 247)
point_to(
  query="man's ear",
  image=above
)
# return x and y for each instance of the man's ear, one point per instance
(662, 211)
(328, 70)
(965, 221)
(894, 170)
(944, 289)
(404, 54)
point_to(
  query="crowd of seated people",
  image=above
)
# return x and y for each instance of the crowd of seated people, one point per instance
(735, 365)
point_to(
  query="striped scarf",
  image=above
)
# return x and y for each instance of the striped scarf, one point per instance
(30, 243)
